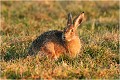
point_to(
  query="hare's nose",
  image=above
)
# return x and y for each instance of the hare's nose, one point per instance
(64, 37)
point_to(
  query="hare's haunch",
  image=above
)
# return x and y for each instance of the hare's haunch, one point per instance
(54, 43)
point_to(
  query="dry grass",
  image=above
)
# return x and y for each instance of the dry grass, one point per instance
(22, 22)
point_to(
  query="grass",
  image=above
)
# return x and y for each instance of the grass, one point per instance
(22, 22)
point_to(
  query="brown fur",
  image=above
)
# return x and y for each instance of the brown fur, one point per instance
(74, 47)
(55, 43)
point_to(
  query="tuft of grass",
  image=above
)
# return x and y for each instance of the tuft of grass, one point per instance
(23, 21)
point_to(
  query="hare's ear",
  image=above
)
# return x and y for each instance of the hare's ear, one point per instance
(78, 20)
(69, 19)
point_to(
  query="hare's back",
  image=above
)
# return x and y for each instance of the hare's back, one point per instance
(50, 36)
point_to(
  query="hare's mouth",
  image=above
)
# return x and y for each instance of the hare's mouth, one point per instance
(66, 40)
(63, 37)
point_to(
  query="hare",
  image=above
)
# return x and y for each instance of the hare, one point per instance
(54, 43)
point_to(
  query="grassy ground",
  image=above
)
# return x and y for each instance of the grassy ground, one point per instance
(22, 22)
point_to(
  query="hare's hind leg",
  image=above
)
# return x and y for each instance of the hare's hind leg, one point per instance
(48, 49)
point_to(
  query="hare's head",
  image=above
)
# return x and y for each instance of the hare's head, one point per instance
(70, 31)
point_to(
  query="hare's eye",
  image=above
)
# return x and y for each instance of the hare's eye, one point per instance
(72, 30)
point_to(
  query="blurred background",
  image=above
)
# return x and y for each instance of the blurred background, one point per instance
(23, 21)
(30, 17)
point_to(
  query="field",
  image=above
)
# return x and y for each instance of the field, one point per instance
(21, 22)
